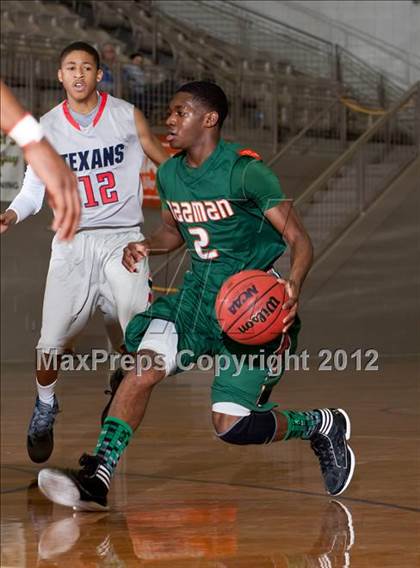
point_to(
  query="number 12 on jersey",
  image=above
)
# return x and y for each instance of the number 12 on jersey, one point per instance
(106, 183)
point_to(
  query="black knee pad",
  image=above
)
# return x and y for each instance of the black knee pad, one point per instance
(256, 428)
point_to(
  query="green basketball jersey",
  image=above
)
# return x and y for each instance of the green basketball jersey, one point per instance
(219, 208)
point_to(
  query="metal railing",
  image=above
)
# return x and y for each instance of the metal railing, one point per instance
(327, 120)
(233, 27)
(258, 41)
(398, 64)
(346, 188)
(364, 81)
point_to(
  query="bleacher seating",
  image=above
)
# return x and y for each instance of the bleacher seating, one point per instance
(44, 27)
(37, 24)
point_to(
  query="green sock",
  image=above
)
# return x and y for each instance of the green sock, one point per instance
(112, 441)
(302, 424)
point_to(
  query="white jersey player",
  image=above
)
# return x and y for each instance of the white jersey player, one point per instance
(104, 141)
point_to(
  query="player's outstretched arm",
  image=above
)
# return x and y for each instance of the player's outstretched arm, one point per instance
(62, 191)
(151, 145)
(165, 239)
(285, 219)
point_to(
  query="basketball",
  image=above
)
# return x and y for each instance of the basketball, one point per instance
(249, 307)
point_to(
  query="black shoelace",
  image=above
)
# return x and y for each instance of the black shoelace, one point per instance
(323, 450)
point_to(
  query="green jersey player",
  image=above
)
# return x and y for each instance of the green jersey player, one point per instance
(227, 206)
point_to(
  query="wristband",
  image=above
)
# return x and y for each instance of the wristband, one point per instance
(26, 130)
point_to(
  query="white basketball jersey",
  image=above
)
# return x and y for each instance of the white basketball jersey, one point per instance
(106, 157)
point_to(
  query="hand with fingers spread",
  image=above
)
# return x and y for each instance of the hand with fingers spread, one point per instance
(134, 253)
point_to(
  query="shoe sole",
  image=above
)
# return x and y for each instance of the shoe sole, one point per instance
(60, 489)
(348, 423)
(349, 478)
(44, 445)
(351, 453)
(41, 452)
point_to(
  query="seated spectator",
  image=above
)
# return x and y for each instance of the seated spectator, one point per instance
(108, 64)
(135, 80)
(147, 86)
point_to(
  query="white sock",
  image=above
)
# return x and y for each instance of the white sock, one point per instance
(46, 394)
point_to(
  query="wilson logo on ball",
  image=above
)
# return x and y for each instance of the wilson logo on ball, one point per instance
(249, 307)
(242, 298)
(261, 316)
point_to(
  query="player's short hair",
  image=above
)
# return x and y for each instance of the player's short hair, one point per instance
(210, 95)
(81, 46)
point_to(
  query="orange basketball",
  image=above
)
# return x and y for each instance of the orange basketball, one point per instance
(249, 307)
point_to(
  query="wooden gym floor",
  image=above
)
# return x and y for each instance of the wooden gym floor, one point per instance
(183, 499)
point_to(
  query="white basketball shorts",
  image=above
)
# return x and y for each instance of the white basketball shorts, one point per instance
(86, 274)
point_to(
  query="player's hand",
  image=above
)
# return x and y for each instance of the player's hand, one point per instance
(292, 291)
(61, 187)
(6, 219)
(134, 253)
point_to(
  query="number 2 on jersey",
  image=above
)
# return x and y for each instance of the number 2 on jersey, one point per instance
(107, 180)
(202, 241)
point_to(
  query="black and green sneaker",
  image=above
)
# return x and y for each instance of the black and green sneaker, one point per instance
(329, 443)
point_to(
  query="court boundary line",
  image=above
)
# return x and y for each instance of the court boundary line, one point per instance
(236, 485)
